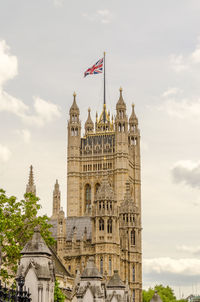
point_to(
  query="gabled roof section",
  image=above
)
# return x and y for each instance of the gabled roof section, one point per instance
(115, 281)
(91, 271)
(36, 245)
(128, 205)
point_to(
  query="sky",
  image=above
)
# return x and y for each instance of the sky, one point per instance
(153, 53)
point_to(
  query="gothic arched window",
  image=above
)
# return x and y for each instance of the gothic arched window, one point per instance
(76, 132)
(109, 225)
(101, 265)
(133, 237)
(101, 224)
(87, 198)
(72, 131)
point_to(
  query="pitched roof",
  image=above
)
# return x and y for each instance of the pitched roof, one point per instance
(121, 104)
(91, 271)
(115, 281)
(156, 298)
(36, 245)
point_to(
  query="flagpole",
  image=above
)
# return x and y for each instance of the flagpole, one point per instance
(104, 78)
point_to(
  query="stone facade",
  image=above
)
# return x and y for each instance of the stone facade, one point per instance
(103, 197)
(37, 267)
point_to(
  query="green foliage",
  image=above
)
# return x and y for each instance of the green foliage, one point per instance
(166, 294)
(58, 294)
(17, 222)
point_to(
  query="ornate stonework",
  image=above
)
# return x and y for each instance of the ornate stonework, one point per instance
(103, 197)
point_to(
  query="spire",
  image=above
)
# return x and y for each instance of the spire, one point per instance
(120, 104)
(133, 118)
(56, 200)
(74, 108)
(30, 188)
(89, 125)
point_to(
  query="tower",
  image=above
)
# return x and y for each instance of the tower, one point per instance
(56, 201)
(73, 160)
(105, 229)
(30, 187)
(103, 196)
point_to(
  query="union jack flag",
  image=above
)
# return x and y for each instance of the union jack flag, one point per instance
(95, 69)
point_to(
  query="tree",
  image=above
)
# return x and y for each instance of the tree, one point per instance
(17, 222)
(58, 294)
(166, 294)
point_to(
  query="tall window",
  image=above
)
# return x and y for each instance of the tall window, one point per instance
(101, 265)
(133, 295)
(101, 225)
(133, 272)
(109, 225)
(133, 237)
(87, 198)
(110, 266)
(97, 187)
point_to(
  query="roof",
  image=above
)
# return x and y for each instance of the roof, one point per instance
(115, 281)
(59, 267)
(156, 298)
(91, 271)
(36, 245)
(81, 225)
(121, 104)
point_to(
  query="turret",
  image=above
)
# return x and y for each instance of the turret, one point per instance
(74, 126)
(121, 118)
(73, 158)
(56, 201)
(89, 125)
(105, 225)
(31, 188)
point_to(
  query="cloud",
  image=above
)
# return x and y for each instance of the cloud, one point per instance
(166, 269)
(171, 91)
(5, 153)
(8, 64)
(195, 250)
(187, 172)
(104, 16)
(24, 134)
(43, 111)
(178, 63)
(58, 3)
(181, 108)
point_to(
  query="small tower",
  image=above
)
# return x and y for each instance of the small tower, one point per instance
(121, 147)
(73, 157)
(56, 201)
(105, 229)
(130, 243)
(61, 233)
(89, 125)
(31, 188)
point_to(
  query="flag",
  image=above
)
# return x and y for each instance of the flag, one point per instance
(95, 69)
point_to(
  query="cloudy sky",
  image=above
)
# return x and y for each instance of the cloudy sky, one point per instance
(153, 52)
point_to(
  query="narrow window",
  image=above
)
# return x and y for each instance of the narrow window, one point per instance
(133, 274)
(133, 295)
(101, 225)
(87, 198)
(133, 237)
(101, 265)
(76, 132)
(109, 226)
(110, 266)
(72, 132)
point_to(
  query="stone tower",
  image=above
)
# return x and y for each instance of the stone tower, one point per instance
(56, 200)
(103, 197)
